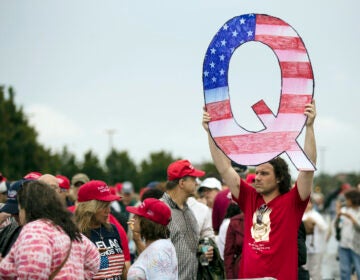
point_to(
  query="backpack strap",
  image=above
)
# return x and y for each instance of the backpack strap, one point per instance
(56, 271)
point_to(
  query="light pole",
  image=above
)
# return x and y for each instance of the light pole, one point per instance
(110, 133)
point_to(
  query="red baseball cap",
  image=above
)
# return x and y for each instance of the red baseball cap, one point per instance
(34, 175)
(63, 181)
(96, 190)
(152, 209)
(250, 178)
(182, 168)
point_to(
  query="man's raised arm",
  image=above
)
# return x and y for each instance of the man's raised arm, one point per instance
(221, 161)
(305, 178)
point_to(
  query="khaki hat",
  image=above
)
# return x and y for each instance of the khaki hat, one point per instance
(80, 177)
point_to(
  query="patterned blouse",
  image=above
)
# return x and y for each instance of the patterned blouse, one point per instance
(158, 261)
(40, 249)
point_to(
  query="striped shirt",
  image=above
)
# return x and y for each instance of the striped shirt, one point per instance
(185, 235)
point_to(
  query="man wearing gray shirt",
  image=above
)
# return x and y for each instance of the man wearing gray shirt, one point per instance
(184, 229)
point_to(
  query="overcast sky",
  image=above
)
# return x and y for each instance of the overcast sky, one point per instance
(91, 74)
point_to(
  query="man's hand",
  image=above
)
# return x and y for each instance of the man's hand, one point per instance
(206, 119)
(210, 253)
(310, 112)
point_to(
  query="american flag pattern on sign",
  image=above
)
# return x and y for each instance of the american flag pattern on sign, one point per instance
(282, 129)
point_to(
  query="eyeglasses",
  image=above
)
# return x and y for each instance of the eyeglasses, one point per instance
(78, 184)
(260, 212)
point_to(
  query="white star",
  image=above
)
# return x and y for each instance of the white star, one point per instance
(225, 27)
(222, 71)
(213, 79)
(213, 51)
(212, 64)
(232, 50)
(242, 42)
(206, 73)
(222, 57)
(250, 33)
(242, 21)
(234, 33)
(223, 42)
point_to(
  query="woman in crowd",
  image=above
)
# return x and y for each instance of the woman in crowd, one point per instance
(158, 260)
(348, 219)
(316, 231)
(92, 217)
(49, 245)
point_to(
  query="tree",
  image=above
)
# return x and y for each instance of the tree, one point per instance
(155, 168)
(92, 167)
(210, 169)
(68, 165)
(120, 168)
(19, 149)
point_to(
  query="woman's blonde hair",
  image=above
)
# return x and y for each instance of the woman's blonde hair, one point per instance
(85, 215)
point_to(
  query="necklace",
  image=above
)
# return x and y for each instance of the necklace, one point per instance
(101, 248)
(99, 233)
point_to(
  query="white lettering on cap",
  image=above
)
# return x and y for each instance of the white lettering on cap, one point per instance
(104, 188)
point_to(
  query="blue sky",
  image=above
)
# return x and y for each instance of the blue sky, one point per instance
(82, 68)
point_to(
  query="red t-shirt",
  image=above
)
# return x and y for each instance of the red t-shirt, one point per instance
(270, 248)
(122, 233)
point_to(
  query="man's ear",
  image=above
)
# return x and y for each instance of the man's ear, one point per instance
(181, 182)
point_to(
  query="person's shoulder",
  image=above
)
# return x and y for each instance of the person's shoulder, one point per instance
(162, 242)
(238, 217)
(40, 223)
(192, 202)
(160, 247)
(167, 199)
(223, 196)
(39, 229)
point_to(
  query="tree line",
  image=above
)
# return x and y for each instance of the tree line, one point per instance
(21, 153)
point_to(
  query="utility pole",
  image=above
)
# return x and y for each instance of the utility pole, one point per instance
(110, 133)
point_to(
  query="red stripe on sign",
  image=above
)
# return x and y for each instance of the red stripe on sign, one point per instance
(258, 142)
(265, 19)
(261, 108)
(219, 110)
(281, 42)
(293, 103)
(296, 70)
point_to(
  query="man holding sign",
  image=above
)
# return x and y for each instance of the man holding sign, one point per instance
(273, 210)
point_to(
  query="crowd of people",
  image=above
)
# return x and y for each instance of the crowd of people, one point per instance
(257, 225)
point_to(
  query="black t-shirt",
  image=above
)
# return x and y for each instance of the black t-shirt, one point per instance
(111, 253)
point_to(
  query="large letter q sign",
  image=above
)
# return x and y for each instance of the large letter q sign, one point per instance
(281, 129)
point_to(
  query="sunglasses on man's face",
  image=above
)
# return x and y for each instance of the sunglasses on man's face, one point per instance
(260, 212)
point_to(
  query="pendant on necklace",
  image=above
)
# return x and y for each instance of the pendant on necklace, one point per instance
(99, 233)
